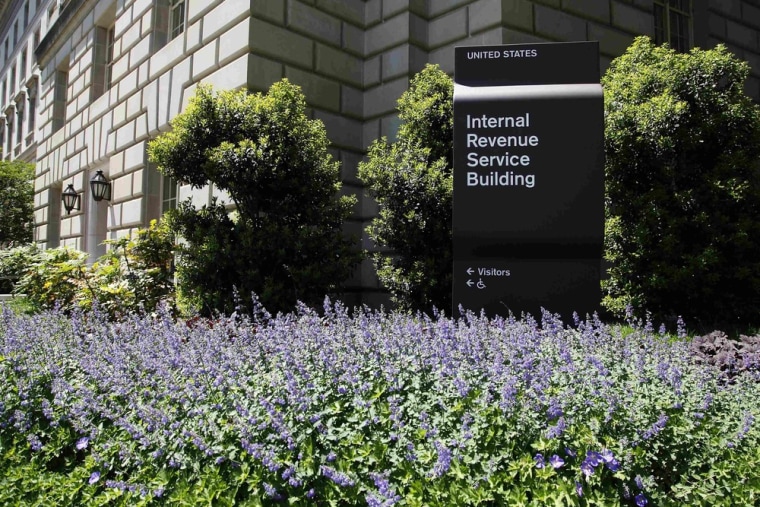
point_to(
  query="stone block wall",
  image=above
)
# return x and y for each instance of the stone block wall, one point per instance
(353, 59)
(737, 25)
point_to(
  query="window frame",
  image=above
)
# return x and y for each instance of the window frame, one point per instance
(668, 13)
(109, 56)
(177, 13)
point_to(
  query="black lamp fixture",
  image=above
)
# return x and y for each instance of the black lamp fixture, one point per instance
(70, 199)
(101, 187)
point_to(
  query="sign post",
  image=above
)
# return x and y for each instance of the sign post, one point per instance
(528, 208)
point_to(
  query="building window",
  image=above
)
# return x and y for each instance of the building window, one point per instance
(32, 94)
(19, 121)
(59, 98)
(672, 23)
(169, 194)
(102, 68)
(109, 56)
(9, 123)
(22, 69)
(13, 79)
(176, 17)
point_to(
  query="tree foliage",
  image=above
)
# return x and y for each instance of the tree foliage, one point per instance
(411, 179)
(284, 242)
(682, 143)
(16, 202)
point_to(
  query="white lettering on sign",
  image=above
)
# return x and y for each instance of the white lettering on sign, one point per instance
(494, 272)
(498, 122)
(476, 141)
(501, 179)
(507, 53)
(510, 159)
(520, 53)
(506, 160)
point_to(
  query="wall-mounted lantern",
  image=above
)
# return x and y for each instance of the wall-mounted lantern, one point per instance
(101, 187)
(70, 199)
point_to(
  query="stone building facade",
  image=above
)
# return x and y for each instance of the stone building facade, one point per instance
(89, 83)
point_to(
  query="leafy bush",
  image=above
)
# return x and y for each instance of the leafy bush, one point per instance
(411, 180)
(136, 273)
(285, 241)
(371, 408)
(55, 278)
(682, 142)
(13, 263)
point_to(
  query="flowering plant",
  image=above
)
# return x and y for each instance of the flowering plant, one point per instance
(341, 408)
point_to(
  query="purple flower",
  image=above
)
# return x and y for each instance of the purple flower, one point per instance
(639, 482)
(271, 492)
(539, 459)
(554, 411)
(34, 442)
(94, 477)
(587, 468)
(593, 458)
(556, 430)
(579, 488)
(641, 500)
(613, 465)
(556, 462)
(444, 460)
(656, 427)
(337, 477)
(82, 443)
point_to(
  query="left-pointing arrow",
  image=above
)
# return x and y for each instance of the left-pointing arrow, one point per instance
(470, 283)
(470, 271)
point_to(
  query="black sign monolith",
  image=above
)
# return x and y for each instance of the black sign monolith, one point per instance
(528, 208)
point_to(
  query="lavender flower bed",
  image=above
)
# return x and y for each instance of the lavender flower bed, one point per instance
(376, 409)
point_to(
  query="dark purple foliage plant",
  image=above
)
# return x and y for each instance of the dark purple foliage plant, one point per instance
(364, 407)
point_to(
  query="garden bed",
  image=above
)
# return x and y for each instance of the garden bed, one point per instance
(353, 408)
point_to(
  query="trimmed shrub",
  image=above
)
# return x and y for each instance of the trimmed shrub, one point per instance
(412, 182)
(682, 142)
(284, 241)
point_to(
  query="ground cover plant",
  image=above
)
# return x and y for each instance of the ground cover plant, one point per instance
(334, 408)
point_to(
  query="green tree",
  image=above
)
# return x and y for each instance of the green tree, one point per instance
(411, 179)
(284, 242)
(16, 202)
(682, 143)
